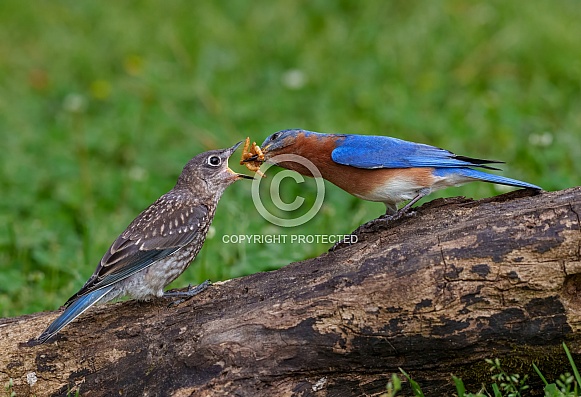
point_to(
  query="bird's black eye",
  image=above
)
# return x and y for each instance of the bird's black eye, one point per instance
(214, 161)
(274, 136)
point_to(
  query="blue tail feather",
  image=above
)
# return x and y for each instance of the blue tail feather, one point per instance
(75, 309)
(484, 176)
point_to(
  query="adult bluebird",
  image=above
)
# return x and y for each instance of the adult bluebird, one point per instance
(380, 168)
(160, 243)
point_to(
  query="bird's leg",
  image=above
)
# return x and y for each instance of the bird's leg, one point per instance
(384, 220)
(185, 295)
(390, 217)
(405, 209)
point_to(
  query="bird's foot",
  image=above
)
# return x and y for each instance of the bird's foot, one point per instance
(372, 226)
(186, 295)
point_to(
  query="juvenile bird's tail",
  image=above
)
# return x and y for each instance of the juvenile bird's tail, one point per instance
(74, 310)
(484, 176)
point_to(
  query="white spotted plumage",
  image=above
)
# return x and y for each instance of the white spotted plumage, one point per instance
(159, 244)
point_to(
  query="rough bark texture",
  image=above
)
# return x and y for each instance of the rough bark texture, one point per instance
(434, 294)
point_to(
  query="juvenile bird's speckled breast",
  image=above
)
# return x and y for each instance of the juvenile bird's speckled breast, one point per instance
(150, 282)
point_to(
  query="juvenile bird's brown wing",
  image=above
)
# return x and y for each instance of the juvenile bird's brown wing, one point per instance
(162, 229)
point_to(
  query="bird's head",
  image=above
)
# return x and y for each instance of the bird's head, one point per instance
(279, 141)
(211, 168)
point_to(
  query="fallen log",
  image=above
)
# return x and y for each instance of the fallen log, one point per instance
(434, 294)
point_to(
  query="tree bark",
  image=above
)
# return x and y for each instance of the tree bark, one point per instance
(434, 294)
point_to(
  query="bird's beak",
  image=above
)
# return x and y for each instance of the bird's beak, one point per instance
(240, 176)
(233, 148)
(235, 174)
(249, 159)
(255, 157)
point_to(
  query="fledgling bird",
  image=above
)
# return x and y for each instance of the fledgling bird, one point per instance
(160, 243)
(380, 168)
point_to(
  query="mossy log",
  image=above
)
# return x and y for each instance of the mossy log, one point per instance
(434, 294)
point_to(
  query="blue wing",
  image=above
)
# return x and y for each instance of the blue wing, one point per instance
(367, 151)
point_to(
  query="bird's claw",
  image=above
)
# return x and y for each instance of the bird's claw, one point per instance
(393, 217)
(186, 295)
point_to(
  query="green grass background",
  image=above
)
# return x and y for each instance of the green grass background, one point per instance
(103, 102)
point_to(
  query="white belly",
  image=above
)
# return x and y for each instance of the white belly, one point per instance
(404, 188)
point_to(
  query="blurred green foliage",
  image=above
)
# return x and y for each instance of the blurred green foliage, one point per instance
(102, 103)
